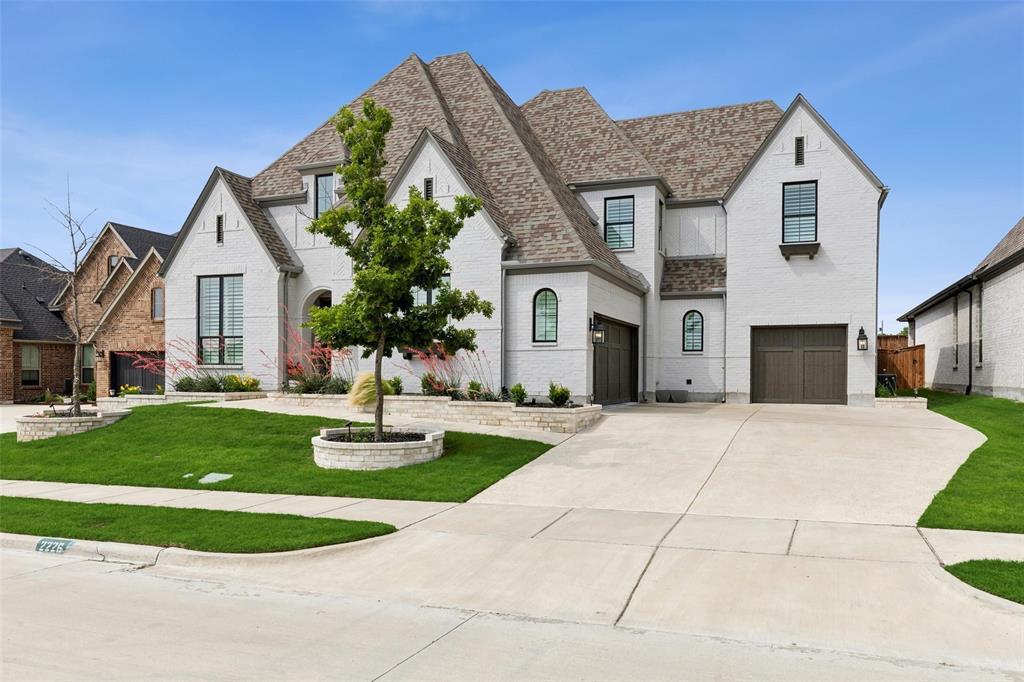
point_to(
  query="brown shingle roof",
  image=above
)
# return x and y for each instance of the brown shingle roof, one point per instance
(241, 189)
(701, 152)
(1009, 245)
(693, 275)
(580, 138)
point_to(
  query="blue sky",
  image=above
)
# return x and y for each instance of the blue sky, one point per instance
(138, 101)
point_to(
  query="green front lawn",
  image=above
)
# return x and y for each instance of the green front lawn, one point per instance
(1001, 578)
(201, 529)
(173, 446)
(987, 492)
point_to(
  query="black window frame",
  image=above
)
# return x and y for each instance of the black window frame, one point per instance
(799, 215)
(221, 338)
(700, 315)
(219, 227)
(536, 296)
(88, 373)
(38, 369)
(428, 188)
(446, 279)
(661, 224)
(316, 193)
(631, 223)
(799, 151)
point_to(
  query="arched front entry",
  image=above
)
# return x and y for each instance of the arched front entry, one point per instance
(320, 298)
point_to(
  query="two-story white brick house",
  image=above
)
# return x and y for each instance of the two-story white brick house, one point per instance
(726, 253)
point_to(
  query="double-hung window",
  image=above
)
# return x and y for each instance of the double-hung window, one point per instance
(422, 297)
(324, 192)
(29, 365)
(88, 364)
(800, 212)
(220, 320)
(156, 303)
(618, 222)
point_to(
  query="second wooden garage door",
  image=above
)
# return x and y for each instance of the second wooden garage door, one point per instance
(615, 364)
(798, 365)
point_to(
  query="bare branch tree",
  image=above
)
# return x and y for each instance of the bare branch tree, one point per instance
(79, 243)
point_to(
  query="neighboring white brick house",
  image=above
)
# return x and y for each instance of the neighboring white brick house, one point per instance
(973, 330)
(630, 224)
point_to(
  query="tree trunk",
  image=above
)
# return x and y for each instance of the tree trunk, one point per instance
(378, 382)
(76, 403)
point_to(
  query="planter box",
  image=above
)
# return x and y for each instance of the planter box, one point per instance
(331, 454)
(138, 399)
(443, 408)
(38, 428)
(903, 403)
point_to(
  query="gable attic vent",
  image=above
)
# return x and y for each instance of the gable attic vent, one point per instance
(220, 229)
(428, 188)
(799, 151)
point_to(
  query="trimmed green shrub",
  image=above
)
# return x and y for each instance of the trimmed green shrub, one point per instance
(558, 394)
(209, 384)
(474, 390)
(396, 384)
(517, 394)
(185, 384)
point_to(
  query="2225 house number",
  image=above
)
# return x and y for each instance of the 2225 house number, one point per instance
(53, 545)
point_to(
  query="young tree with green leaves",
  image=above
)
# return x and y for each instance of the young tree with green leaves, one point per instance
(393, 251)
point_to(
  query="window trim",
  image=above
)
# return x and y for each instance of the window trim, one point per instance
(533, 309)
(152, 304)
(799, 150)
(316, 192)
(92, 367)
(784, 216)
(221, 345)
(632, 223)
(38, 369)
(699, 314)
(219, 228)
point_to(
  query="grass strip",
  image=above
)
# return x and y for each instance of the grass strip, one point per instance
(1002, 578)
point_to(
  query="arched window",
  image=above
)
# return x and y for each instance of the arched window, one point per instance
(545, 316)
(693, 331)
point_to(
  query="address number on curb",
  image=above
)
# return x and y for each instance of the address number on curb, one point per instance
(53, 545)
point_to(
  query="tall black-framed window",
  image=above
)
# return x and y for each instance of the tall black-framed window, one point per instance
(800, 212)
(88, 364)
(693, 332)
(545, 316)
(220, 319)
(324, 190)
(661, 223)
(618, 222)
(424, 297)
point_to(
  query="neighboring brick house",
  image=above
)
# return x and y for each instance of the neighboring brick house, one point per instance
(121, 305)
(973, 330)
(36, 353)
(588, 224)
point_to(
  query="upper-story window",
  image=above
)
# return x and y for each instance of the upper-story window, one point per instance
(618, 222)
(112, 262)
(156, 303)
(693, 332)
(324, 190)
(800, 212)
(423, 297)
(428, 188)
(545, 316)
(798, 151)
(661, 224)
(220, 320)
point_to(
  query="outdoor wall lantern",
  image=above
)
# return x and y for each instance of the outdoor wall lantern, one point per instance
(862, 340)
(597, 332)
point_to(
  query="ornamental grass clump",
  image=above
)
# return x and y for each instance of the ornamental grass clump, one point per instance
(364, 390)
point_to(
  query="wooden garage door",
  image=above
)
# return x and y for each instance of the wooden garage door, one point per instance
(616, 364)
(798, 365)
(123, 371)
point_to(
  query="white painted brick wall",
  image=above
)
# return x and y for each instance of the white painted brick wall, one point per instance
(241, 253)
(703, 369)
(837, 287)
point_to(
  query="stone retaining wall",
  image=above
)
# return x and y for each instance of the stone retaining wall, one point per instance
(443, 408)
(371, 456)
(903, 403)
(38, 428)
(138, 399)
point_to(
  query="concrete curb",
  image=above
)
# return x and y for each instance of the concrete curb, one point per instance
(152, 555)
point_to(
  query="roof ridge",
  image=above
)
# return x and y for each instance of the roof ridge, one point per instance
(621, 133)
(701, 109)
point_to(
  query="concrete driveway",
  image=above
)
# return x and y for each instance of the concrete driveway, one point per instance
(813, 463)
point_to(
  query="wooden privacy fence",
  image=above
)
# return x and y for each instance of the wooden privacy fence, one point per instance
(892, 341)
(906, 363)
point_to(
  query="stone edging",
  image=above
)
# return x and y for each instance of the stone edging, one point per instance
(330, 454)
(137, 399)
(903, 403)
(443, 408)
(38, 428)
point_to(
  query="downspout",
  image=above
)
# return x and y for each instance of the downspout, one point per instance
(282, 322)
(501, 331)
(970, 339)
(725, 303)
(643, 358)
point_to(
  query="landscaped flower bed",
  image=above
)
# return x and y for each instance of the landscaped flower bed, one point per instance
(355, 448)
